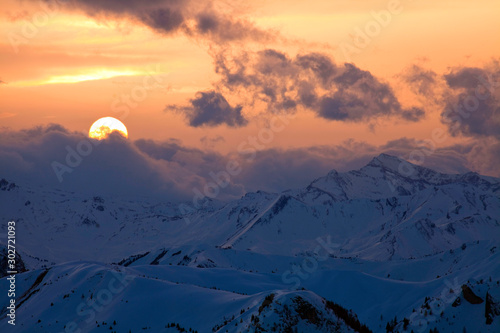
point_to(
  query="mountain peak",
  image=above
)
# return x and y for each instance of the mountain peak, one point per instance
(387, 161)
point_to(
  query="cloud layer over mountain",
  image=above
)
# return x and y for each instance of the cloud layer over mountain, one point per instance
(45, 155)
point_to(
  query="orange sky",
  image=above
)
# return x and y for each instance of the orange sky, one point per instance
(72, 69)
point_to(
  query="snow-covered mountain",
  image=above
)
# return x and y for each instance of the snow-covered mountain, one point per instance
(391, 239)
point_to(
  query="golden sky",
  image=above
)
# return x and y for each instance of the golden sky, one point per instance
(65, 64)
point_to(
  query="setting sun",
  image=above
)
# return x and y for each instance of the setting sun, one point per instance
(103, 127)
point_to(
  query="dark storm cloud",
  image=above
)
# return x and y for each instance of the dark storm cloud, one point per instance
(173, 172)
(211, 109)
(311, 81)
(472, 105)
(196, 19)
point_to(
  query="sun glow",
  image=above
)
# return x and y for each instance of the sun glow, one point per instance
(103, 127)
(100, 74)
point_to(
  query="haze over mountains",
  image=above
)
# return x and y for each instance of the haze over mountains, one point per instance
(402, 246)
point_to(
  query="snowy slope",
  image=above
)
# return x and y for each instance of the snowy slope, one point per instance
(384, 241)
(94, 297)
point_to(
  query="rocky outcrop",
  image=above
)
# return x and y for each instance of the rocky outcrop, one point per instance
(470, 296)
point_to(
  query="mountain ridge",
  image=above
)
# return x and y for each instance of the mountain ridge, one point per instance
(343, 230)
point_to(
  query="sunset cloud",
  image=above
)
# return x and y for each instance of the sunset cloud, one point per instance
(172, 171)
(192, 18)
(312, 81)
(472, 107)
(211, 109)
(422, 81)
